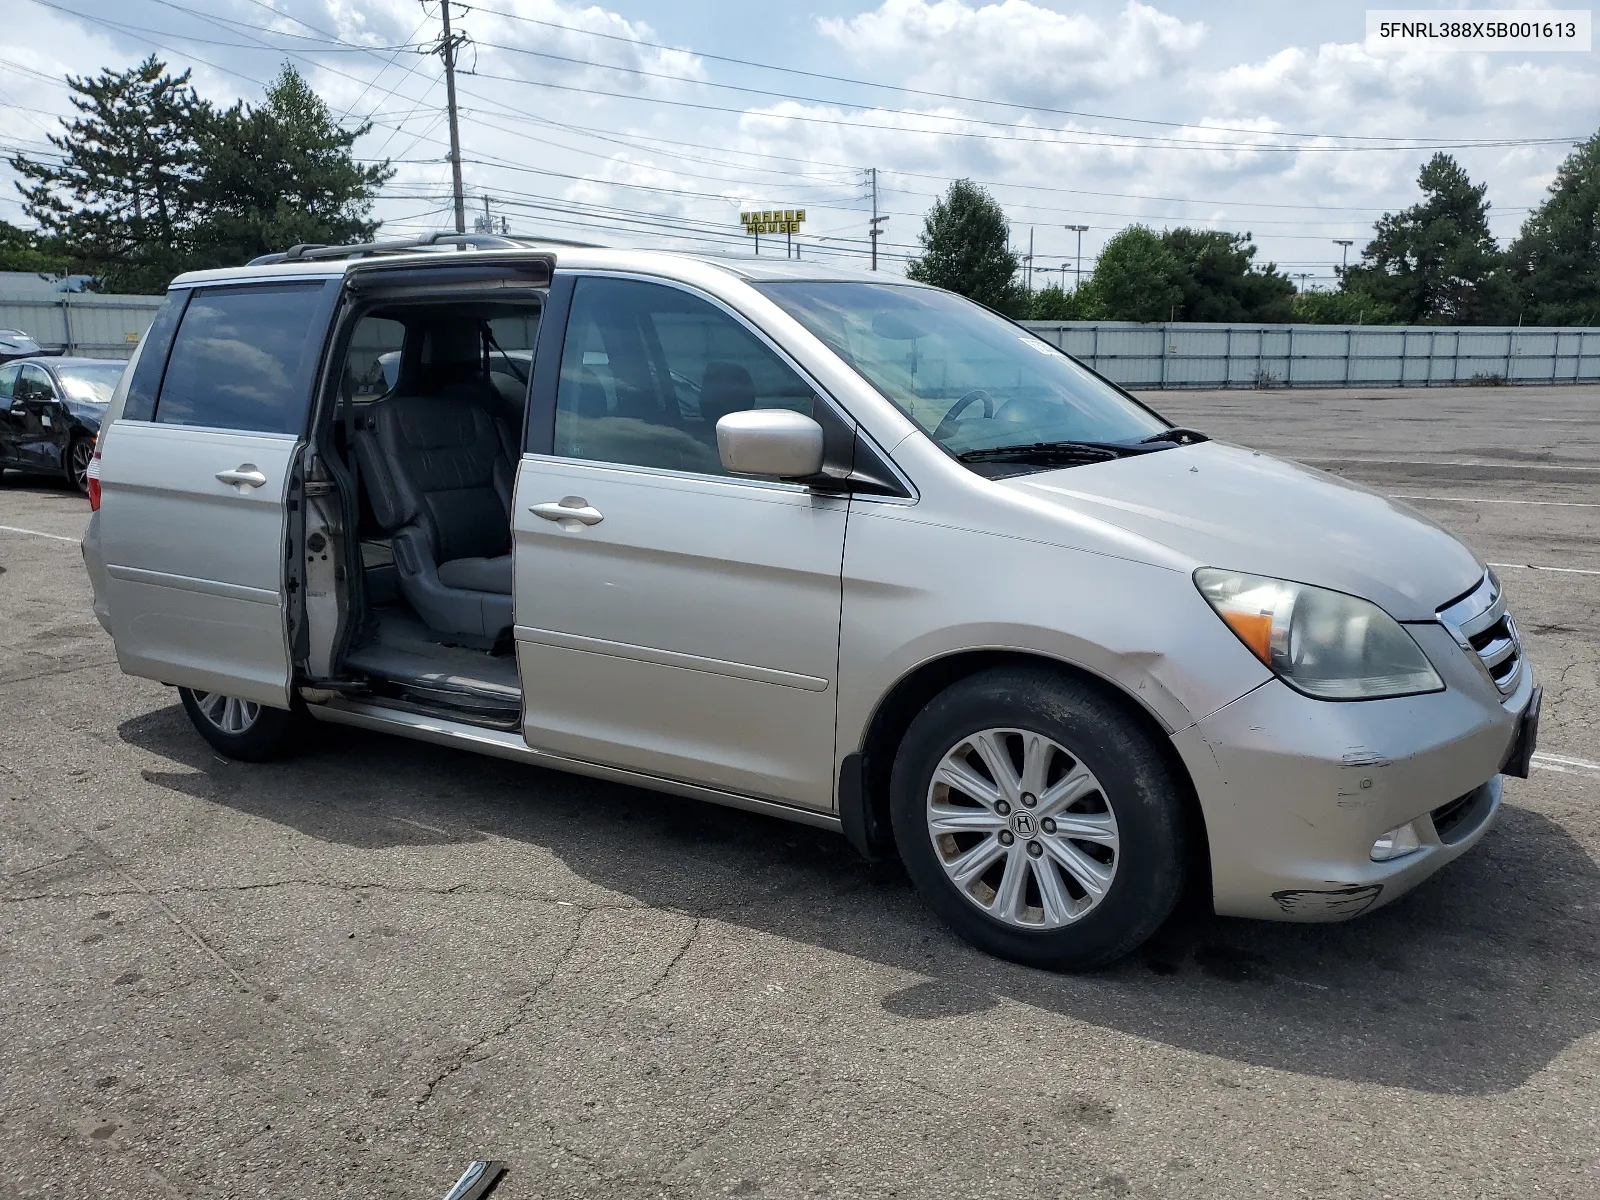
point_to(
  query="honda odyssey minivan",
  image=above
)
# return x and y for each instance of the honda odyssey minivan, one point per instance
(830, 546)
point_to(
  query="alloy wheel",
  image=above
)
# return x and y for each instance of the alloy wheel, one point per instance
(78, 464)
(227, 713)
(1023, 828)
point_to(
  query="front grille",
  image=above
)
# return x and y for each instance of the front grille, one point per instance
(1480, 623)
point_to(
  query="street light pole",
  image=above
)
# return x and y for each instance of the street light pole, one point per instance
(1344, 245)
(1077, 278)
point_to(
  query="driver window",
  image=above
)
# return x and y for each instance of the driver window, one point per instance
(34, 384)
(647, 371)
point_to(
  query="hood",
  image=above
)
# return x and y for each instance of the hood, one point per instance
(1226, 506)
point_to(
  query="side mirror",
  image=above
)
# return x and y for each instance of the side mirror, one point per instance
(777, 442)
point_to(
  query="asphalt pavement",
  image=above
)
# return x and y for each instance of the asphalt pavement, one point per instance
(350, 973)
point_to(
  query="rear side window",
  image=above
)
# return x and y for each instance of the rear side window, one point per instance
(243, 359)
(140, 403)
(8, 381)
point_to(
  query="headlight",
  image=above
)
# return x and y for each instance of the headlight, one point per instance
(1325, 644)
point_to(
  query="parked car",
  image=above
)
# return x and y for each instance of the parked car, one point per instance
(14, 343)
(50, 413)
(825, 545)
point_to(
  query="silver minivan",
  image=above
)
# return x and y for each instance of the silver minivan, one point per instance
(825, 545)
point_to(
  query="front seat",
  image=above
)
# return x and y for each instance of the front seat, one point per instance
(439, 473)
(725, 387)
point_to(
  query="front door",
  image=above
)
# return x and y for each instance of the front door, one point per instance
(670, 618)
(35, 417)
(194, 495)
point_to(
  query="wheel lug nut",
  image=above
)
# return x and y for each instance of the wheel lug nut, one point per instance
(1006, 837)
(1029, 799)
(1048, 825)
(1034, 849)
(1003, 808)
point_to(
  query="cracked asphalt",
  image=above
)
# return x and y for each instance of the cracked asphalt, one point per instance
(347, 974)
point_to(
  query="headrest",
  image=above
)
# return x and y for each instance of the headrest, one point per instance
(724, 388)
(452, 344)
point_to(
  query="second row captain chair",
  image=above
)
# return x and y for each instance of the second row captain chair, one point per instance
(439, 471)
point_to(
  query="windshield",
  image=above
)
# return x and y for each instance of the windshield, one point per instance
(91, 383)
(971, 380)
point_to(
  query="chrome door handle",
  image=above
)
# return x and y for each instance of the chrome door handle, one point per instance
(244, 473)
(568, 508)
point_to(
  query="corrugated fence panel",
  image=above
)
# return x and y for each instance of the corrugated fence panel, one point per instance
(1210, 356)
(82, 322)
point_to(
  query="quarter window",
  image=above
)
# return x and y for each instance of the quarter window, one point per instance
(647, 371)
(242, 359)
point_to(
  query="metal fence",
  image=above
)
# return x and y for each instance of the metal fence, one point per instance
(81, 322)
(1219, 356)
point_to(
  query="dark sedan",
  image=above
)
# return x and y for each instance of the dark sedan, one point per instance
(50, 410)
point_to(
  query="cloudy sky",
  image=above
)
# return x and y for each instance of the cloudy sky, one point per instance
(637, 122)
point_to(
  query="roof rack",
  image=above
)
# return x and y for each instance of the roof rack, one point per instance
(308, 251)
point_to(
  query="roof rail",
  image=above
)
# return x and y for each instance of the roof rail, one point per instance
(308, 251)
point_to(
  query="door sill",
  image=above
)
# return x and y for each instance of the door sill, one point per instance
(509, 744)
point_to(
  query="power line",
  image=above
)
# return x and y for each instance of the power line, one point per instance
(743, 62)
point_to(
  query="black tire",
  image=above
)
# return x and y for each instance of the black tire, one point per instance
(81, 446)
(1137, 785)
(270, 733)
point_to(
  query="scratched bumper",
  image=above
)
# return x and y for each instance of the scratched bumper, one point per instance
(1295, 790)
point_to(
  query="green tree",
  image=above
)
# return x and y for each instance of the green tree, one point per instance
(1554, 265)
(1344, 307)
(26, 250)
(1136, 277)
(1435, 262)
(965, 248)
(1220, 281)
(279, 174)
(1055, 303)
(119, 202)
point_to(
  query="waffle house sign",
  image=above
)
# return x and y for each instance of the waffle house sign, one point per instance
(773, 220)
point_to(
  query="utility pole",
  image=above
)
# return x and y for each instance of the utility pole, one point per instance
(446, 48)
(488, 220)
(873, 232)
(1077, 278)
(1030, 258)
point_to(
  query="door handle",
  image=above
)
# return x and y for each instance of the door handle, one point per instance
(243, 474)
(568, 509)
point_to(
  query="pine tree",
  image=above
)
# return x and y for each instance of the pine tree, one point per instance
(280, 174)
(1435, 262)
(1554, 264)
(1220, 281)
(120, 201)
(965, 248)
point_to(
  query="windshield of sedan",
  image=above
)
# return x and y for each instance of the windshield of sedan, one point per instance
(91, 383)
(971, 380)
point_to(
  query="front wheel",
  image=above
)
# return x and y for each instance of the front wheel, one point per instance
(241, 729)
(1039, 819)
(79, 455)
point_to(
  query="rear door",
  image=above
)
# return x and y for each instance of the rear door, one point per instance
(195, 479)
(682, 622)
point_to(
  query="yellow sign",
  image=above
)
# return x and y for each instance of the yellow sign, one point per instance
(773, 220)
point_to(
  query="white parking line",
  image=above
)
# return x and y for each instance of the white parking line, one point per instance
(1558, 762)
(1479, 500)
(1456, 462)
(1531, 567)
(37, 533)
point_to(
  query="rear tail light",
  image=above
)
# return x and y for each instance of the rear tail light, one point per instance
(94, 482)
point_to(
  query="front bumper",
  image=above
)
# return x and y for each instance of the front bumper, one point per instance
(1295, 791)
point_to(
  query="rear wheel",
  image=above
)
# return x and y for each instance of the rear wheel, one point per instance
(242, 729)
(79, 456)
(1039, 819)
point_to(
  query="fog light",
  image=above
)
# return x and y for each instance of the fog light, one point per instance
(1397, 843)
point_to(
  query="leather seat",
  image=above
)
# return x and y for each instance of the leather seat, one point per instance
(725, 388)
(439, 474)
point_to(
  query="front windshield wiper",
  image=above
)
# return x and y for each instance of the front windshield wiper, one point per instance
(1178, 435)
(1077, 451)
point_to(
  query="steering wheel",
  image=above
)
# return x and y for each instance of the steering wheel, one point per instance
(960, 406)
